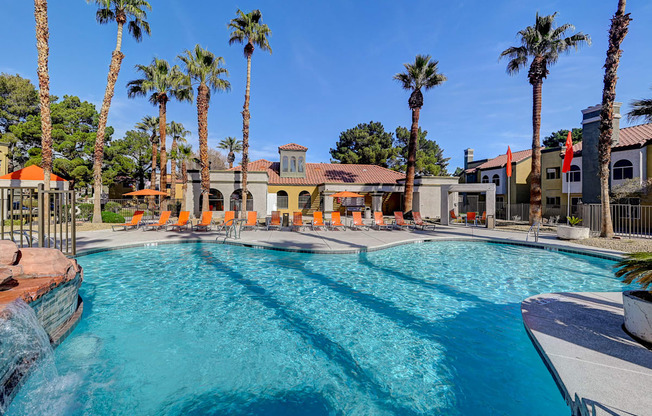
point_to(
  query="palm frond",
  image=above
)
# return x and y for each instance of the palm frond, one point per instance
(641, 109)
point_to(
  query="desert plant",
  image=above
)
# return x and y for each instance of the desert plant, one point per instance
(112, 206)
(112, 218)
(573, 221)
(636, 268)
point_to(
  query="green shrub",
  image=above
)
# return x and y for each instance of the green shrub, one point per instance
(112, 206)
(573, 221)
(142, 207)
(85, 210)
(112, 218)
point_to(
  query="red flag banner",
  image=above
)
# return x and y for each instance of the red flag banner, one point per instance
(508, 167)
(568, 157)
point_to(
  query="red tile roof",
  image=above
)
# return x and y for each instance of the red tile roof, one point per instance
(293, 146)
(31, 173)
(318, 173)
(629, 136)
(501, 160)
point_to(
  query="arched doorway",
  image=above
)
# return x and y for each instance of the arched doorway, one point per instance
(215, 200)
(236, 201)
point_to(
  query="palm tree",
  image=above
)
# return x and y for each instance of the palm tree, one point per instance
(248, 28)
(641, 109)
(543, 43)
(43, 48)
(132, 13)
(233, 145)
(179, 134)
(185, 154)
(163, 82)
(617, 33)
(150, 126)
(636, 268)
(205, 69)
(421, 74)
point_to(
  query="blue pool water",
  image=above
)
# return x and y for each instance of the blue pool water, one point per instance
(193, 329)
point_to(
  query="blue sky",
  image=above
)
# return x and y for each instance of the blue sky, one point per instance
(333, 62)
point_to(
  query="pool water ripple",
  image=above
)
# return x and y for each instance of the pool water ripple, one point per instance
(431, 328)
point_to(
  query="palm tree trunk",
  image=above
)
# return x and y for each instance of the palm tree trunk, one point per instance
(202, 120)
(152, 185)
(245, 136)
(535, 175)
(114, 70)
(184, 175)
(617, 33)
(43, 48)
(411, 161)
(162, 126)
(173, 171)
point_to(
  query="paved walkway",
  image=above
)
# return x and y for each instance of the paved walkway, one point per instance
(597, 366)
(320, 241)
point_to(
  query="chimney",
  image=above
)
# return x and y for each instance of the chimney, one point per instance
(590, 139)
(468, 157)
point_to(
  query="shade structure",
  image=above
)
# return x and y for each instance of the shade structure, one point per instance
(145, 192)
(347, 194)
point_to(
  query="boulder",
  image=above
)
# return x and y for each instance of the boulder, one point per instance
(42, 262)
(6, 275)
(8, 252)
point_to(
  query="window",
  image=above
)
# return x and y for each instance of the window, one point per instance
(215, 200)
(575, 175)
(304, 200)
(293, 164)
(236, 201)
(300, 168)
(282, 200)
(285, 163)
(485, 179)
(553, 200)
(623, 169)
(496, 179)
(552, 173)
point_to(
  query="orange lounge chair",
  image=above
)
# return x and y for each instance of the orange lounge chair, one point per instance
(379, 221)
(454, 217)
(336, 221)
(318, 220)
(357, 221)
(162, 221)
(252, 221)
(184, 217)
(483, 219)
(419, 222)
(275, 221)
(399, 222)
(135, 221)
(229, 217)
(470, 217)
(206, 220)
(297, 221)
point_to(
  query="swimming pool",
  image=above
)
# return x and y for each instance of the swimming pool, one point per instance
(432, 328)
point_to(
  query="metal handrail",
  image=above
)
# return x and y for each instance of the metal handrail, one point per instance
(536, 231)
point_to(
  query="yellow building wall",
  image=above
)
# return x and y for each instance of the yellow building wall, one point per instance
(4, 159)
(293, 192)
(520, 182)
(551, 187)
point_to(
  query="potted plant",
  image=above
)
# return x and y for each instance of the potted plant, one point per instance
(637, 304)
(572, 231)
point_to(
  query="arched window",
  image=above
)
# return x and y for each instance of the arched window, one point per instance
(293, 164)
(496, 179)
(623, 169)
(215, 200)
(304, 200)
(575, 174)
(300, 167)
(236, 201)
(282, 200)
(285, 163)
(485, 179)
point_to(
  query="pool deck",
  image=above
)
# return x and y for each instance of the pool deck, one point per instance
(322, 241)
(598, 367)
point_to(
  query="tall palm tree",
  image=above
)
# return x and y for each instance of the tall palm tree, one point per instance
(150, 126)
(248, 28)
(617, 33)
(43, 48)
(162, 82)
(421, 74)
(233, 145)
(205, 69)
(185, 154)
(641, 109)
(179, 134)
(132, 13)
(542, 42)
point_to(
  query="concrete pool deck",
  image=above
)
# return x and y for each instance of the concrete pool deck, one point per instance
(324, 241)
(598, 367)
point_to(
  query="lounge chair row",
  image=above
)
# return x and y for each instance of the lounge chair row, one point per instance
(251, 223)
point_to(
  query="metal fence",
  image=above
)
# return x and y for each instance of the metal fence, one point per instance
(127, 207)
(521, 212)
(628, 220)
(33, 217)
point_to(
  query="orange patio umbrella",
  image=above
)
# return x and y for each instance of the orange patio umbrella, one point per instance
(145, 192)
(347, 194)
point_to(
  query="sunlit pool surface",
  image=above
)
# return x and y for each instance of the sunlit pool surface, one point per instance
(193, 329)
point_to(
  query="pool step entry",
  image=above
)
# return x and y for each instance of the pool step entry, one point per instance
(534, 229)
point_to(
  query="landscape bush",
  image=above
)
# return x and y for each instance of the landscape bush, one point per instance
(112, 218)
(112, 206)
